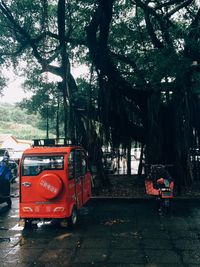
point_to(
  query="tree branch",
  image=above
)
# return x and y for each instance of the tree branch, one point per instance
(148, 10)
(178, 7)
(166, 4)
(104, 64)
(132, 64)
(5, 10)
(192, 39)
(155, 41)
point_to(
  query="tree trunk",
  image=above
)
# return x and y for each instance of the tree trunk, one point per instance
(129, 159)
(154, 135)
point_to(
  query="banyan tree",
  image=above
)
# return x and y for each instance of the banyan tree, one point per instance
(146, 54)
(144, 59)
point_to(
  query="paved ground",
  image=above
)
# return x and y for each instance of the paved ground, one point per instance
(110, 233)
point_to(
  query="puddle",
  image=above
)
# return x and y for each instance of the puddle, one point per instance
(14, 216)
(3, 228)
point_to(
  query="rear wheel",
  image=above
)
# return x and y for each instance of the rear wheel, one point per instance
(28, 224)
(72, 220)
(168, 206)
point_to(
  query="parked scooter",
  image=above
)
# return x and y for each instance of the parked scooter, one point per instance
(5, 179)
(160, 184)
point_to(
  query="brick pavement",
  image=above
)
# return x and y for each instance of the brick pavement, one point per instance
(110, 233)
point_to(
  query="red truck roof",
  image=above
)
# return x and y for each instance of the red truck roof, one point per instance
(41, 150)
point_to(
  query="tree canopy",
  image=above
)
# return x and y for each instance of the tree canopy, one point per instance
(143, 58)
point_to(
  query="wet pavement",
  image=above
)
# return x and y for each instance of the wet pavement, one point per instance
(110, 233)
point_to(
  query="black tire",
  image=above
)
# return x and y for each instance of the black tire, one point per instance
(73, 219)
(159, 204)
(166, 206)
(9, 202)
(56, 223)
(28, 224)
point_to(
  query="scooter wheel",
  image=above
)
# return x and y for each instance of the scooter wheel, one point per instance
(167, 206)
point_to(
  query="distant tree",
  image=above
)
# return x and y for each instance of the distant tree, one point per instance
(4, 114)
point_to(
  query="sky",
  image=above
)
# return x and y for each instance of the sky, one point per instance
(14, 92)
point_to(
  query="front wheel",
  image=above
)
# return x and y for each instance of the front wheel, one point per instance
(9, 202)
(166, 206)
(72, 220)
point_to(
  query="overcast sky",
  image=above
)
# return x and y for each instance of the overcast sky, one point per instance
(14, 93)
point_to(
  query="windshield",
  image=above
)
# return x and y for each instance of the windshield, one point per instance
(33, 165)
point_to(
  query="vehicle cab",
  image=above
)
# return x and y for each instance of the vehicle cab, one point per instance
(55, 182)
